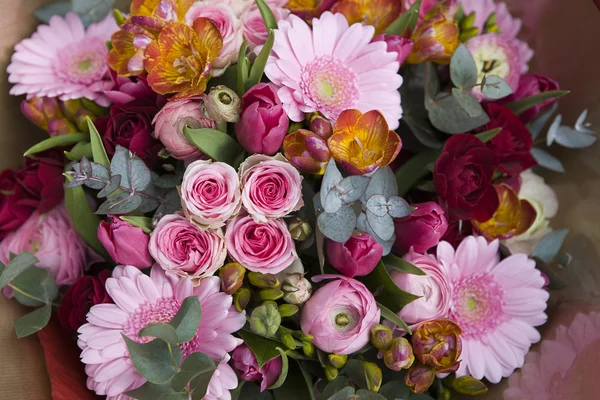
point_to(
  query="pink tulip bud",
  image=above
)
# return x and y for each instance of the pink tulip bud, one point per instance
(357, 257)
(125, 243)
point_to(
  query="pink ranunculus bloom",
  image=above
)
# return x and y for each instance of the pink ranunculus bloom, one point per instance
(255, 31)
(230, 28)
(139, 300)
(271, 187)
(263, 121)
(433, 287)
(126, 244)
(181, 248)
(53, 240)
(421, 230)
(264, 247)
(210, 193)
(357, 257)
(399, 44)
(245, 362)
(170, 122)
(531, 85)
(340, 315)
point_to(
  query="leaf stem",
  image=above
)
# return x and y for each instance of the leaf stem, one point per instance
(24, 293)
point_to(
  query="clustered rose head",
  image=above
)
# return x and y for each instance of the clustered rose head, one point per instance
(126, 244)
(245, 362)
(79, 298)
(340, 315)
(357, 257)
(422, 229)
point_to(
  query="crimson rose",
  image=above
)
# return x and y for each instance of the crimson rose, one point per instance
(463, 178)
(130, 125)
(87, 292)
(513, 144)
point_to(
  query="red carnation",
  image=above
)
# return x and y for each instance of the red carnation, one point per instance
(463, 178)
(513, 144)
(87, 292)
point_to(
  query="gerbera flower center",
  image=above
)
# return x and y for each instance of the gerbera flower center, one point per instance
(82, 62)
(162, 311)
(330, 84)
(477, 304)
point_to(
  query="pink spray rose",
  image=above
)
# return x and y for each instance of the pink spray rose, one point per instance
(271, 187)
(169, 124)
(230, 28)
(126, 244)
(260, 247)
(245, 362)
(400, 45)
(263, 122)
(421, 230)
(433, 287)
(255, 30)
(357, 257)
(531, 85)
(53, 240)
(340, 315)
(183, 249)
(210, 193)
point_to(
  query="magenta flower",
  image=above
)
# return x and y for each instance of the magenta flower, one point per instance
(245, 362)
(402, 46)
(141, 300)
(422, 229)
(531, 85)
(126, 90)
(357, 257)
(126, 244)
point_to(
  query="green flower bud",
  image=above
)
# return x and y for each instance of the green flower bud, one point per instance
(338, 360)
(263, 281)
(373, 375)
(297, 289)
(222, 105)
(241, 298)
(381, 337)
(287, 310)
(232, 277)
(331, 372)
(270, 294)
(467, 22)
(288, 341)
(265, 320)
(467, 34)
(308, 349)
(300, 229)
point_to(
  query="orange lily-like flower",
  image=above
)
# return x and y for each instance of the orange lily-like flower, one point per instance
(513, 217)
(361, 143)
(179, 60)
(379, 13)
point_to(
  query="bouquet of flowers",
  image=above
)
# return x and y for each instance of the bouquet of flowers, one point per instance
(262, 199)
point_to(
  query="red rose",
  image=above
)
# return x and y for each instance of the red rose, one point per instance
(457, 232)
(513, 144)
(130, 125)
(12, 212)
(77, 301)
(530, 85)
(463, 178)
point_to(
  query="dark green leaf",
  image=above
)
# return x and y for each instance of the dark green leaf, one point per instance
(401, 265)
(187, 319)
(468, 102)
(134, 173)
(242, 69)
(395, 390)
(56, 141)
(463, 70)
(267, 14)
(199, 385)
(343, 394)
(495, 88)
(122, 203)
(193, 366)
(46, 12)
(153, 359)
(215, 144)
(98, 150)
(393, 318)
(168, 181)
(33, 322)
(144, 223)
(80, 150)
(469, 386)
(408, 20)
(251, 391)
(113, 185)
(546, 160)
(520, 106)
(34, 287)
(258, 67)
(264, 349)
(16, 266)
(161, 331)
(355, 370)
(92, 10)
(414, 170)
(540, 122)
(550, 246)
(309, 381)
(364, 394)
(157, 392)
(335, 386)
(284, 370)
(385, 290)
(488, 135)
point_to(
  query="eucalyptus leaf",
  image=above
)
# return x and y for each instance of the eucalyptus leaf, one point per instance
(338, 226)
(168, 181)
(134, 173)
(468, 102)
(153, 391)
(447, 115)
(48, 11)
(407, 20)
(98, 150)
(572, 138)
(414, 170)
(383, 182)
(549, 247)
(56, 141)
(122, 203)
(153, 359)
(520, 106)
(546, 160)
(387, 314)
(34, 287)
(187, 319)
(144, 223)
(401, 265)
(160, 331)
(488, 135)
(335, 386)
(463, 70)
(383, 226)
(263, 349)
(113, 185)
(364, 394)
(352, 188)
(195, 365)
(398, 207)
(94, 175)
(385, 290)
(171, 203)
(344, 394)
(92, 10)
(395, 390)
(495, 88)
(215, 144)
(377, 205)
(284, 370)
(258, 67)
(17, 266)
(331, 178)
(540, 122)
(33, 322)
(363, 225)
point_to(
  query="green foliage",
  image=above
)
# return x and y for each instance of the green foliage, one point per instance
(401, 265)
(385, 290)
(264, 349)
(284, 370)
(187, 319)
(98, 150)
(33, 322)
(520, 106)
(549, 247)
(547, 160)
(80, 150)
(56, 141)
(161, 331)
(197, 366)
(393, 317)
(144, 223)
(258, 67)
(494, 87)
(156, 361)
(469, 386)
(408, 20)
(488, 135)
(267, 14)
(243, 69)
(215, 144)
(463, 70)
(17, 265)
(414, 170)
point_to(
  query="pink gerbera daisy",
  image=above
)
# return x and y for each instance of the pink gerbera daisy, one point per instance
(64, 60)
(332, 68)
(496, 303)
(141, 300)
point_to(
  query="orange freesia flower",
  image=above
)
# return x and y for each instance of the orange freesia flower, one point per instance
(179, 60)
(513, 216)
(379, 13)
(166, 10)
(361, 143)
(308, 9)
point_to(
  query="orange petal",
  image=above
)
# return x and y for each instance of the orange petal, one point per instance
(211, 42)
(182, 8)
(347, 120)
(391, 149)
(122, 51)
(143, 7)
(372, 129)
(350, 9)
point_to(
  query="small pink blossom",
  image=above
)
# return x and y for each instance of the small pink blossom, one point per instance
(422, 229)
(402, 46)
(245, 362)
(126, 244)
(357, 257)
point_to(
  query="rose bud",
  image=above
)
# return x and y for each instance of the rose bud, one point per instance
(398, 44)
(357, 257)
(245, 362)
(381, 337)
(265, 319)
(126, 244)
(307, 151)
(321, 126)
(297, 289)
(338, 360)
(263, 123)
(399, 355)
(438, 345)
(422, 229)
(300, 229)
(263, 281)
(419, 378)
(222, 105)
(373, 375)
(232, 277)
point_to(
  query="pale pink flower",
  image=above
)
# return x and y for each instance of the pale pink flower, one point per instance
(496, 303)
(64, 60)
(564, 368)
(333, 67)
(509, 25)
(222, 382)
(140, 300)
(254, 27)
